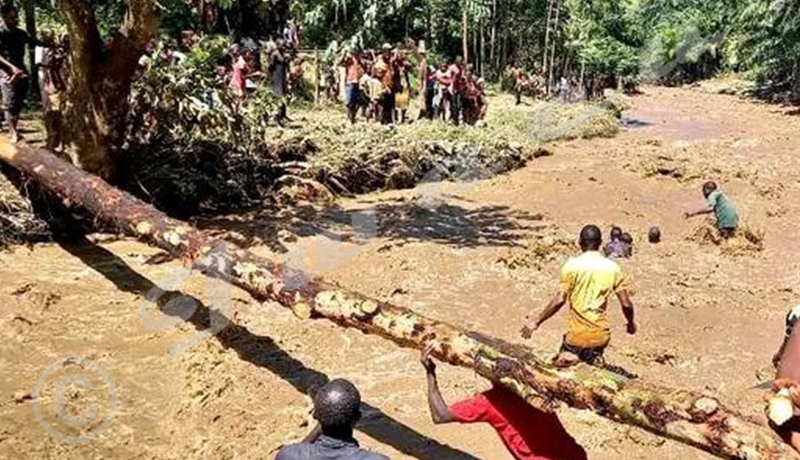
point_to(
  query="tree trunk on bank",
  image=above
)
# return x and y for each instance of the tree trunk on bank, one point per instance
(100, 80)
(583, 69)
(504, 49)
(493, 37)
(476, 48)
(465, 27)
(687, 417)
(30, 27)
(555, 41)
(482, 54)
(547, 39)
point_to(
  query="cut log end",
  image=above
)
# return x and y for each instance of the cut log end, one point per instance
(302, 310)
(704, 408)
(780, 409)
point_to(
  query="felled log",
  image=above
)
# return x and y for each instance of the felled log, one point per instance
(688, 417)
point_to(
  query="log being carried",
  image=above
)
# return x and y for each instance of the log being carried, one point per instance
(680, 415)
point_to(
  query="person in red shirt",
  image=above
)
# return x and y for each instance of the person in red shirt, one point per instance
(442, 77)
(528, 433)
(457, 87)
(351, 61)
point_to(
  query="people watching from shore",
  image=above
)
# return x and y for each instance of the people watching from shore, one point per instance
(351, 61)
(447, 92)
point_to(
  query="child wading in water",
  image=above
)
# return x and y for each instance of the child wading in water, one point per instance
(723, 208)
(620, 245)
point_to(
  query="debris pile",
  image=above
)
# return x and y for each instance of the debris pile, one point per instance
(747, 241)
(19, 223)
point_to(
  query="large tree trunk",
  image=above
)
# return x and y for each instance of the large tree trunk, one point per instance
(687, 417)
(100, 79)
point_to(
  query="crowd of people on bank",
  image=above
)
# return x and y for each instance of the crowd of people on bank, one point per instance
(246, 66)
(378, 85)
(567, 88)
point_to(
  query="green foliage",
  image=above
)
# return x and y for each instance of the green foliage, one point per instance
(762, 36)
(604, 36)
(189, 101)
(193, 146)
(766, 43)
(607, 37)
(681, 32)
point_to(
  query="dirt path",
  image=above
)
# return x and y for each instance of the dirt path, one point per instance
(710, 316)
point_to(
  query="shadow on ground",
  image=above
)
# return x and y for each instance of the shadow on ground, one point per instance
(264, 352)
(397, 220)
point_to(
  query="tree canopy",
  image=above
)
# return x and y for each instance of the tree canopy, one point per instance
(761, 38)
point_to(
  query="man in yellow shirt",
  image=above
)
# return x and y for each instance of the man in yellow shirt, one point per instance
(587, 282)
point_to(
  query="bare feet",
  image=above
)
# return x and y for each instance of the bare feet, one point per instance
(16, 137)
(565, 359)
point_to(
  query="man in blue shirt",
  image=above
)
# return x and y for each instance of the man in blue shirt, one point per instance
(337, 408)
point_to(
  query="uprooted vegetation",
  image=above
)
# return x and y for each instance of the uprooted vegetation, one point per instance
(370, 156)
(746, 241)
(19, 222)
(540, 252)
(194, 150)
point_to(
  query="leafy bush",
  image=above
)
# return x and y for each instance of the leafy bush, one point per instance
(188, 100)
(193, 146)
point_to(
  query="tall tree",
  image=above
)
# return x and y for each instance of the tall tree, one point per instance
(553, 49)
(547, 37)
(101, 77)
(493, 34)
(465, 28)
